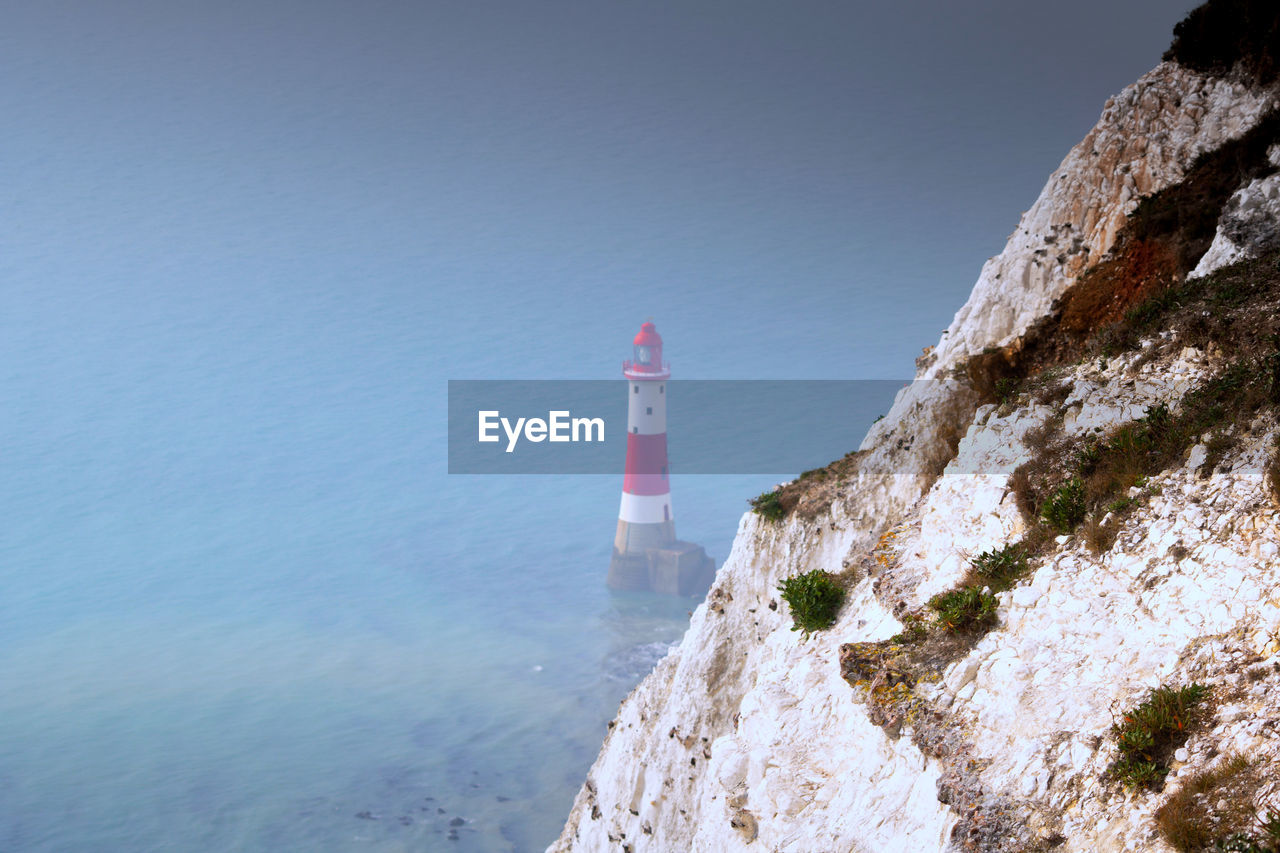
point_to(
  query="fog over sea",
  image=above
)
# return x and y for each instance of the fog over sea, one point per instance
(243, 248)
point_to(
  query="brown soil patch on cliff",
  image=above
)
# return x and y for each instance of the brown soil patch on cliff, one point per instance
(1105, 293)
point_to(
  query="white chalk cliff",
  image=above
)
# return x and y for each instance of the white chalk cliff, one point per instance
(747, 738)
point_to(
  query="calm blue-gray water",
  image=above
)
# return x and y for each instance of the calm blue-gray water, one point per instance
(246, 609)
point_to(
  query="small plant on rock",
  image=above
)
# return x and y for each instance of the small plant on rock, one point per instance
(1000, 568)
(1149, 733)
(1121, 505)
(1065, 507)
(964, 608)
(1006, 389)
(815, 599)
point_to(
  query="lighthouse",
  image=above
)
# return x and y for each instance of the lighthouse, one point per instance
(646, 553)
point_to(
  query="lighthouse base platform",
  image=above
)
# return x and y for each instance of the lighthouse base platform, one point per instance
(678, 568)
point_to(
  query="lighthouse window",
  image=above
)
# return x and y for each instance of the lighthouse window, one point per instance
(648, 410)
(635, 389)
(635, 429)
(662, 388)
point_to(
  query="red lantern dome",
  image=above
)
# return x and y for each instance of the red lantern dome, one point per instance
(647, 362)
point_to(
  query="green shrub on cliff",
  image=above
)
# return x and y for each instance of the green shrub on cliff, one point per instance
(768, 505)
(965, 609)
(1065, 507)
(815, 599)
(1000, 568)
(1148, 733)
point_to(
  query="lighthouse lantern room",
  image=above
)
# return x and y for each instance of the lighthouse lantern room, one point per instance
(648, 363)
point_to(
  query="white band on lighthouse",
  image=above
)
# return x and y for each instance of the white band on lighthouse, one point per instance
(647, 408)
(645, 509)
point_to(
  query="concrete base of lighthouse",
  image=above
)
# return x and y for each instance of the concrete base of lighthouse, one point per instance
(677, 568)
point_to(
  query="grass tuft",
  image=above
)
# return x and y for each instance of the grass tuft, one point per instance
(914, 629)
(1213, 803)
(1099, 537)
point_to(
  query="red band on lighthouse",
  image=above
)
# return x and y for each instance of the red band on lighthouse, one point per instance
(646, 465)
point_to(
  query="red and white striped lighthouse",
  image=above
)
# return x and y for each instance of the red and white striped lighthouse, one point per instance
(646, 553)
(644, 519)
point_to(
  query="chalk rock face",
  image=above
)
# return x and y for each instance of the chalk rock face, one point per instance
(1146, 139)
(1188, 592)
(747, 738)
(1250, 223)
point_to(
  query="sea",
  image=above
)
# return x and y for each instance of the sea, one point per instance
(246, 607)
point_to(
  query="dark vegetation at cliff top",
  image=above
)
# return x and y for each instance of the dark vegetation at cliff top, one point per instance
(1225, 35)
